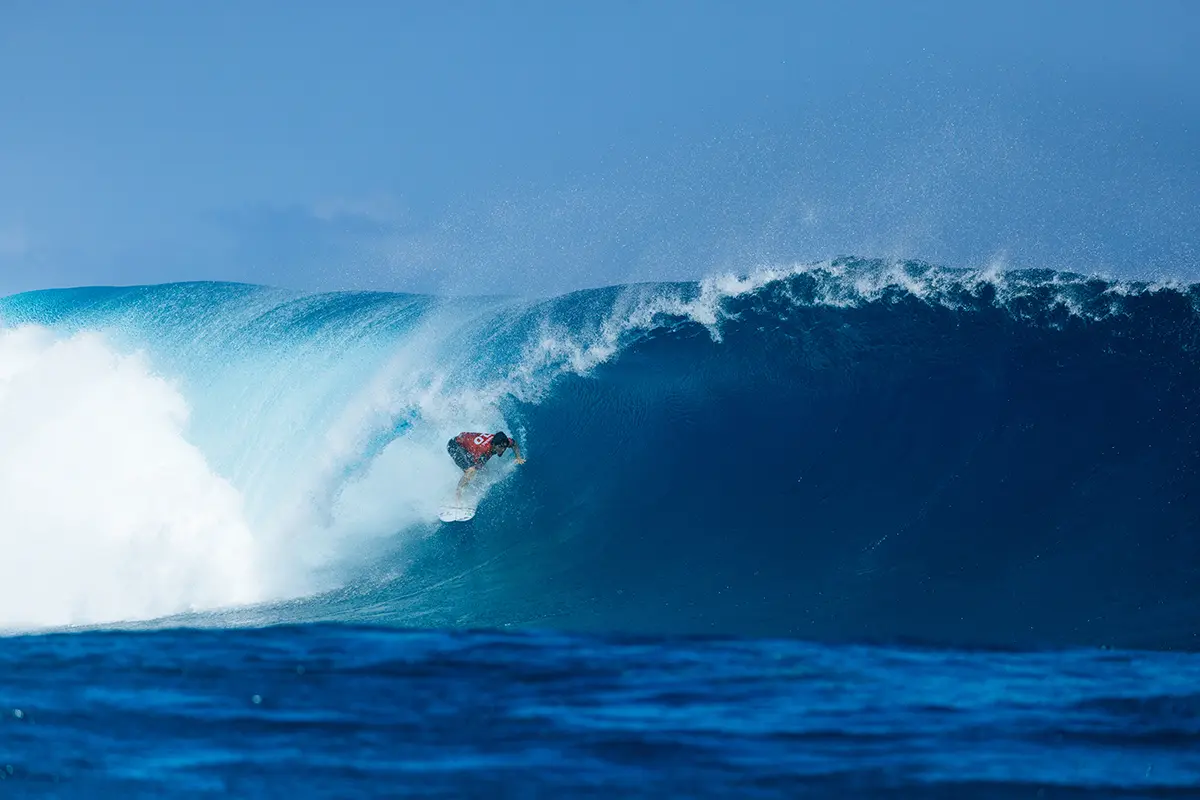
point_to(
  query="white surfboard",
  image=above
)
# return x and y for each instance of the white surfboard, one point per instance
(453, 513)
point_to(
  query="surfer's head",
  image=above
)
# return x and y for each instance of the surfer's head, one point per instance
(500, 442)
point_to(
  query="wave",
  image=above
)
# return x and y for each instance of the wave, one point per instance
(849, 450)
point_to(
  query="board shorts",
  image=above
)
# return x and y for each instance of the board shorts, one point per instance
(460, 455)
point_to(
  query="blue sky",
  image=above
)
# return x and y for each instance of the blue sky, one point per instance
(536, 147)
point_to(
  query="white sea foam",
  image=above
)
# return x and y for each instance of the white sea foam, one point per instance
(107, 512)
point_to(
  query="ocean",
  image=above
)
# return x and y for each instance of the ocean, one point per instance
(858, 528)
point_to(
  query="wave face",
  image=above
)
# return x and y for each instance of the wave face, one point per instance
(846, 451)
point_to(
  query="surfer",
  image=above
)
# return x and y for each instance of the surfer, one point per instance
(471, 451)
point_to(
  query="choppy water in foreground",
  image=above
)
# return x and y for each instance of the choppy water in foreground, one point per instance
(336, 711)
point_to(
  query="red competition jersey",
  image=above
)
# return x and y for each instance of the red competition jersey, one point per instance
(479, 445)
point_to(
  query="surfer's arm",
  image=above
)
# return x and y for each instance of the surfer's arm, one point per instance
(517, 451)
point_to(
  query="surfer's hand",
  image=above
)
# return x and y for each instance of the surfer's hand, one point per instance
(520, 460)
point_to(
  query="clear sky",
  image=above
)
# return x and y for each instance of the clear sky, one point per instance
(535, 147)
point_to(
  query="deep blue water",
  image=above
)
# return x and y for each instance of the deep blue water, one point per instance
(337, 711)
(938, 532)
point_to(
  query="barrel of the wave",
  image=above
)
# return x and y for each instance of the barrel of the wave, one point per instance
(470, 452)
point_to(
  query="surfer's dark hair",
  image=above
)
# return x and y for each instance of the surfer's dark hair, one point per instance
(501, 440)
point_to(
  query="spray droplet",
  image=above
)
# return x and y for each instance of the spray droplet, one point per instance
(256, 699)
(18, 713)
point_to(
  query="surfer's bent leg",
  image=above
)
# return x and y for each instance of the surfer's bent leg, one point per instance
(468, 474)
(464, 461)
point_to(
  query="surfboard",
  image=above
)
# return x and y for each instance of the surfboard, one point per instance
(453, 513)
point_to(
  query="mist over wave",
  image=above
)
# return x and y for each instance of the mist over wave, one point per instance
(847, 450)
